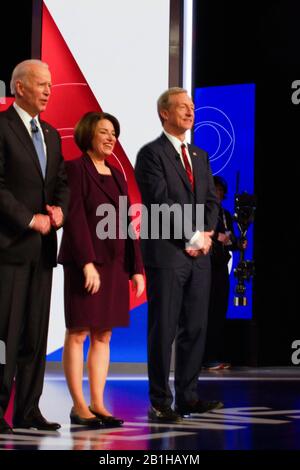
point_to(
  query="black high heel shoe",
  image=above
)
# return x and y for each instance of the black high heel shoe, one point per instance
(94, 422)
(108, 421)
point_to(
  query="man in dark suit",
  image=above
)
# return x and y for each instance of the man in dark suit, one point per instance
(33, 203)
(170, 171)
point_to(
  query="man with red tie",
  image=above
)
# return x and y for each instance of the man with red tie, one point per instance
(171, 172)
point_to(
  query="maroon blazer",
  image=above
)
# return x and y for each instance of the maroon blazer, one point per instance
(80, 244)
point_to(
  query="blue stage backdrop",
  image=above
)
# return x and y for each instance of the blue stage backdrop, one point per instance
(224, 127)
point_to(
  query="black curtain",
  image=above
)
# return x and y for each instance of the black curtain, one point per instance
(249, 42)
(15, 36)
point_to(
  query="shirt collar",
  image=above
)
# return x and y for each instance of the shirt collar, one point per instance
(177, 143)
(26, 117)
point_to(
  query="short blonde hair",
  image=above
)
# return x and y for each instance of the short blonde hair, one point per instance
(22, 70)
(163, 101)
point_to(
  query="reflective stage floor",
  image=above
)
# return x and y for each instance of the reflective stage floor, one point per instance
(262, 412)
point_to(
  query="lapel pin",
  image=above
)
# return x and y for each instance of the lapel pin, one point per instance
(195, 154)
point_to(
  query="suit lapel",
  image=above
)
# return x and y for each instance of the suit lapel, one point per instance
(91, 169)
(46, 132)
(21, 132)
(197, 162)
(175, 159)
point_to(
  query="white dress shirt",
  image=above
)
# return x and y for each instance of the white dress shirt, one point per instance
(177, 145)
(26, 118)
(196, 242)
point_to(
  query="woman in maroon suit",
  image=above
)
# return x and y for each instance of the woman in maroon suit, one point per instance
(96, 269)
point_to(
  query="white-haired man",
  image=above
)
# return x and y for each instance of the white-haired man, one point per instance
(33, 203)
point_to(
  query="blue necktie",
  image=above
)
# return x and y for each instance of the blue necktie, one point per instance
(39, 145)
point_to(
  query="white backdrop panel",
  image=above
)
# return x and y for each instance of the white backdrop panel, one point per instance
(122, 48)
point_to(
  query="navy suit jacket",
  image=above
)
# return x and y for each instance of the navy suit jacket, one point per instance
(24, 192)
(162, 179)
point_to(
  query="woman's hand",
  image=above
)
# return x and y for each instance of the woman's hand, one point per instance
(92, 278)
(138, 284)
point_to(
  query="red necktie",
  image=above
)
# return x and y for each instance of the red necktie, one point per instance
(187, 165)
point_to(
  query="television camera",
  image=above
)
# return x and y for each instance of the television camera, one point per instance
(244, 209)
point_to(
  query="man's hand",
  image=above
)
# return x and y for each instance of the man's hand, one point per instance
(224, 239)
(41, 223)
(207, 242)
(193, 253)
(201, 243)
(56, 215)
(242, 244)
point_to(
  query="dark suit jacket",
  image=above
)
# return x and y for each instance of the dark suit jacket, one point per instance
(162, 179)
(80, 243)
(24, 192)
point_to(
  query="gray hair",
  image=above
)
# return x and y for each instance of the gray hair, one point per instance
(163, 101)
(22, 70)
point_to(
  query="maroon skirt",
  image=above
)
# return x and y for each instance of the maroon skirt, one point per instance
(106, 309)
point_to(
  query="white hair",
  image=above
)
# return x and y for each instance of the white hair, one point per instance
(22, 70)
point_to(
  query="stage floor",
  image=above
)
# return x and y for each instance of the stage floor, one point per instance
(262, 412)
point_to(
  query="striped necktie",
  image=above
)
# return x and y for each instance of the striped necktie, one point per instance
(187, 166)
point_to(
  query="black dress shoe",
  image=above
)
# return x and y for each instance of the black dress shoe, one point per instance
(163, 415)
(91, 422)
(108, 421)
(37, 422)
(199, 406)
(5, 427)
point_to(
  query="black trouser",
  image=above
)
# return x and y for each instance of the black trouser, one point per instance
(218, 305)
(24, 316)
(177, 306)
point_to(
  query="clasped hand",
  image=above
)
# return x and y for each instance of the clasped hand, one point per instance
(201, 246)
(42, 223)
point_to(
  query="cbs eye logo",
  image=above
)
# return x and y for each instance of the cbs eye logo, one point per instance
(295, 358)
(216, 129)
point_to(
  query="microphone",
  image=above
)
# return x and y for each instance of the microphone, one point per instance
(34, 127)
(177, 157)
